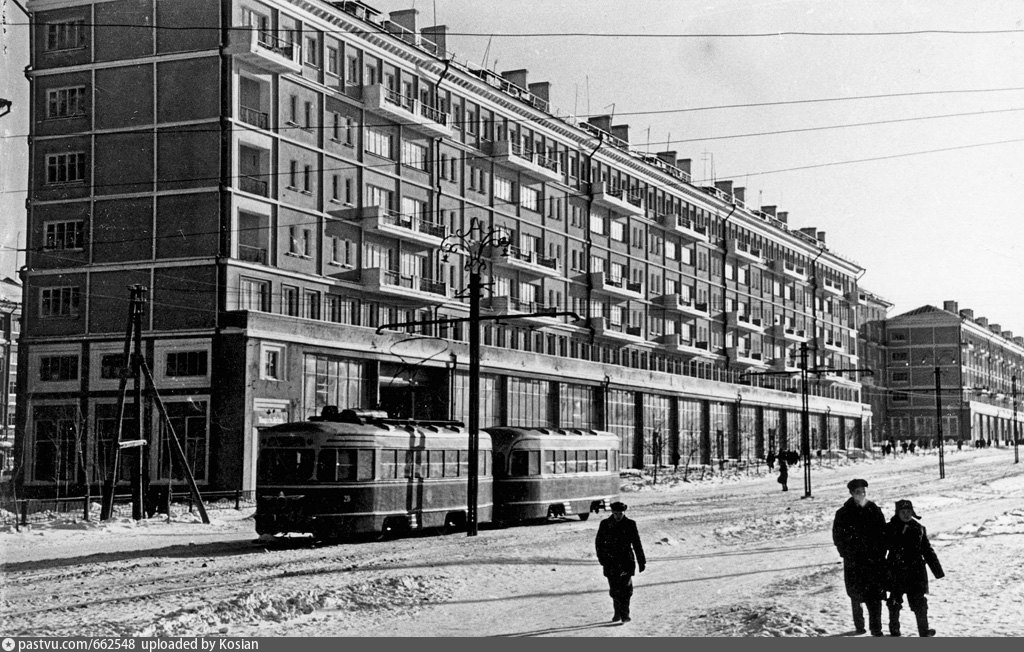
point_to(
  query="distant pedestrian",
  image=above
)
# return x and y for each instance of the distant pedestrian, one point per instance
(858, 532)
(959, 444)
(909, 553)
(617, 541)
(770, 460)
(904, 446)
(913, 447)
(792, 457)
(783, 473)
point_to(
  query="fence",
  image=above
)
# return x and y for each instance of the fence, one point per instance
(42, 510)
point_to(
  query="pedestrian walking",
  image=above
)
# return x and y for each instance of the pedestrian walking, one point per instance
(617, 542)
(783, 472)
(770, 460)
(913, 447)
(904, 446)
(909, 553)
(858, 532)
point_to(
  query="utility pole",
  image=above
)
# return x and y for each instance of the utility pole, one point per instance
(1013, 390)
(938, 421)
(805, 421)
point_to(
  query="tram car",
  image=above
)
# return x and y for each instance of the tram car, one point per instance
(549, 473)
(356, 472)
(353, 472)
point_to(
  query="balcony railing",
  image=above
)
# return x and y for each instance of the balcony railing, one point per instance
(253, 185)
(254, 117)
(409, 110)
(268, 41)
(533, 258)
(417, 283)
(414, 223)
(263, 50)
(252, 254)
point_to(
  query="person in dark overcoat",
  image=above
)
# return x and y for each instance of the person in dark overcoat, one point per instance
(909, 553)
(770, 460)
(858, 532)
(617, 542)
(783, 473)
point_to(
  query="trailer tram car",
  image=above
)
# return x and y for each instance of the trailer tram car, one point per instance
(357, 471)
(548, 473)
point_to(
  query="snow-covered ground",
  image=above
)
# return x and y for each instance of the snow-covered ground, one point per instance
(730, 555)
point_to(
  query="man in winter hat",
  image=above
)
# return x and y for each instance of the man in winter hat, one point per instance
(617, 541)
(909, 553)
(858, 532)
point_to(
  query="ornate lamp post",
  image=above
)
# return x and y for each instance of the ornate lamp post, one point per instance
(475, 245)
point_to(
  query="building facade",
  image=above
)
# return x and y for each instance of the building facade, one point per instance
(288, 219)
(972, 364)
(872, 314)
(10, 330)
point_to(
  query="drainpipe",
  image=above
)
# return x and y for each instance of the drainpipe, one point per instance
(725, 259)
(439, 191)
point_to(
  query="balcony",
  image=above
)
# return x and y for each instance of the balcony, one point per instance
(678, 343)
(830, 375)
(251, 254)
(829, 344)
(264, 51)
(831, 287)
(785, 364)
(687, 229)
(744, 252)
(853, 298)
(526, 161)
(603, 327)
(254, 117)
(412, 289)
(515, 308)
(407, 110)
(746, 357)
(617, 287)
(410, 228)
(744, 321)
(618, 201)
(791, 270)
(684, 305)
(788, 333)
(530, 262)
(253, 185)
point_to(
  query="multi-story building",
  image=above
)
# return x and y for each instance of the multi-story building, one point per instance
(282, 176)
(972, 364)
(10, 327)
(872, 312)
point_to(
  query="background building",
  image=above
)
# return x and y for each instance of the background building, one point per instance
(10, 328)
(872, 312)
(298, 201)
(977, 363)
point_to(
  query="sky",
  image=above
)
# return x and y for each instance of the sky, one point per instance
(928, 227)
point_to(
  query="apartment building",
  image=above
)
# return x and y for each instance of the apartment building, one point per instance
(872, 313)
(10, 328)
(283, 176)
(976, 363)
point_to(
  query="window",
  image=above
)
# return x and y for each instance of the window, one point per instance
(290, 301)
(597, 224)
(293, 174)
(65, 102)
(254, 295)
(378, 142)
(336, 465)
(111, 365)
(376, 196)
(272, 363)
(502, 188)
(335, 188)
(311, 51)
(341, 252)
(307, 178)
(333, 61)
(64, 235)
(65, 35)
(311, 305)
(186, 363)
(58, 368)
(65, 168)
(617, 231)
(299, 241)
(529, 198)
(307, 116)
(899, 356)
(900, 376)
(293, 110)
(336, 127)
(414, 155)
(59, 302)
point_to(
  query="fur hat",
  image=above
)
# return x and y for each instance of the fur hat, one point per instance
(618, 506)
(906, 504)
(856, 484)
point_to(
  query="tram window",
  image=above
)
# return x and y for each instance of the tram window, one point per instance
(602, 460)
(559, 461)
(366, 465)
(570, 461)
(389, 464)
(286, 465)
(534, 462)
(482, 466)
(464, 463)
(549, 461)
(336, 465)
(414, 467)
(435, 464)
(451, 464)
(520, 463)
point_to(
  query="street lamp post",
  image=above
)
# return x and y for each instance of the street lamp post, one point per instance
(475, 245)
(1013, 391)
(938, 421)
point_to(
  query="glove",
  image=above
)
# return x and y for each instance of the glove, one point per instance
(642, 567)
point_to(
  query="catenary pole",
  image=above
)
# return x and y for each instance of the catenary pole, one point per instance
(938, 420)
(1016, 438)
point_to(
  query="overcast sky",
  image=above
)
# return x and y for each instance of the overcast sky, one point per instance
(929, 227)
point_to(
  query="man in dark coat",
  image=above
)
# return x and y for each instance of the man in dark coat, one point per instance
(909, 552)
(617, 541)
(858, 532)
(770, 460)
(783, 473)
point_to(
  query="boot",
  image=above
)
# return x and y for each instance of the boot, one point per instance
(894, 621)
(618, 611)
(875, 617)
(858, 617)
(922, 624)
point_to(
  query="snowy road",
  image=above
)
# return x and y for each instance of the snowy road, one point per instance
(728, 557)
